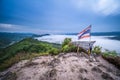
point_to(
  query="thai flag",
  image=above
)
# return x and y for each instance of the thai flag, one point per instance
(85, 33)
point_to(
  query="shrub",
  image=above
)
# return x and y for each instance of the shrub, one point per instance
(66, 41)
(73, 48)
(53, 51)
(69, 48)
(65, 48)
(97, 50)
(109, 53)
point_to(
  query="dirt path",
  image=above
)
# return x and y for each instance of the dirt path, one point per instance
(70, 66)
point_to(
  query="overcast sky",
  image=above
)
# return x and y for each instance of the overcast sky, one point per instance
(39, 16)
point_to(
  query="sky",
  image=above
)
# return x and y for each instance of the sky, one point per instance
(57, 16)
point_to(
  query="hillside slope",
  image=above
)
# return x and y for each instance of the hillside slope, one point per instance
(24, 49)
(69, 66)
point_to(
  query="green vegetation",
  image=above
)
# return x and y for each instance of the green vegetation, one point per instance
(27, 45)
(97, 50)
(109, 53)
(67, 46)
(25, 49)
(113, 59)
(110, 56)
(7, 39)
(53, 51)
(29, 48)
(66, 41)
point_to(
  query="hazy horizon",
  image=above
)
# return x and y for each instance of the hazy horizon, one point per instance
(55, 32)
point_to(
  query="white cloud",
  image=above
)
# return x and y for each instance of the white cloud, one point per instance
(105, 7)
(19, 28)
(9, 27)
(6, 26)
(80, 4)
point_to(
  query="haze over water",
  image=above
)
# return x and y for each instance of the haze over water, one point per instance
(102, 41)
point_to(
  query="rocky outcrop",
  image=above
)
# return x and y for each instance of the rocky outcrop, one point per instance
(69, 66)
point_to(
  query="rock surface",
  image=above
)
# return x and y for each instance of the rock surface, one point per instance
(69, 66)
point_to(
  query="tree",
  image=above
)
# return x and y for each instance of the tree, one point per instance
(66, 41)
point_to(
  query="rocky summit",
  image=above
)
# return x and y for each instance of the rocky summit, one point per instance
(65, 66)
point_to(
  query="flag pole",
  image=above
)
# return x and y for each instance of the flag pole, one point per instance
(90, 35)
(83, 32)
(90, 42)
(78, 48)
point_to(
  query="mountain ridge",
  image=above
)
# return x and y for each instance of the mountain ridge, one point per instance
(65, 66)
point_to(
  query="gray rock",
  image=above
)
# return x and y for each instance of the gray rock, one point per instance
(96, 69)
(106, 76)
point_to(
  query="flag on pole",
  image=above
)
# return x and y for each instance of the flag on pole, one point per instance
(85, 33)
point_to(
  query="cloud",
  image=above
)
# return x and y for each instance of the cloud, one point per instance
(9, 27)
(107, 7)
(42, 31)
(20, 28)
(80, 4)
(104, 7)
(6, 26)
